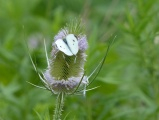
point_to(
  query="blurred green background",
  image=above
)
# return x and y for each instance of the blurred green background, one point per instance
(129, 79)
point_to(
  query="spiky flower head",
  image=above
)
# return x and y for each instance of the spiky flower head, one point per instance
(65, 73)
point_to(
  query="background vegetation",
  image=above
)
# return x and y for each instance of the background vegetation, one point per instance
(129, 80)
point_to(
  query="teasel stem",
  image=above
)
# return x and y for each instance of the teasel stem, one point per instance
(59, 106)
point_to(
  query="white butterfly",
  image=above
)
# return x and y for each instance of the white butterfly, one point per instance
(69, 45)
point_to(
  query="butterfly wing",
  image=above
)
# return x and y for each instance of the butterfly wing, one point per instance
(72, 43)
(63, 47)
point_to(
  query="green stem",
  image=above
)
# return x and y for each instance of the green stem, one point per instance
(59, 106)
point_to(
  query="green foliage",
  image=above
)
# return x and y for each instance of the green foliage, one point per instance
(129, 79)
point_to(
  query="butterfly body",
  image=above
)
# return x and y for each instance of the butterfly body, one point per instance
(68, 45)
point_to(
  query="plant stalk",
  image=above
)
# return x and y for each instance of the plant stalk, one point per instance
(59, 106)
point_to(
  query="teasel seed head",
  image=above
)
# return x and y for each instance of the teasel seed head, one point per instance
(64, 72)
